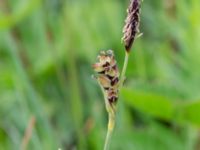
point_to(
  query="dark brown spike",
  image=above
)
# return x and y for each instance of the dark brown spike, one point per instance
(131, 27)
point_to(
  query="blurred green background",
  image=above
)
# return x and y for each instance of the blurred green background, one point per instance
(47, 48)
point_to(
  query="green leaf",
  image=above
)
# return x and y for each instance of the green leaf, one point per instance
(190, 112)
(151, 103)
(155, 137)
(161, 107)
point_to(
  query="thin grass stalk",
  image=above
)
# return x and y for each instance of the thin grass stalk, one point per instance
(112, 120)
(108, 79)
(111, 125)
(123, 73)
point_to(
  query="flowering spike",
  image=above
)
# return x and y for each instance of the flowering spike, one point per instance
(131, 28)
(108, 75)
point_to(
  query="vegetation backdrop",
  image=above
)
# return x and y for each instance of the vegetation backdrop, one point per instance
(48, 99)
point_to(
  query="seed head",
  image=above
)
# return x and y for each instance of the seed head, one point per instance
(131, 28)
(108, 75)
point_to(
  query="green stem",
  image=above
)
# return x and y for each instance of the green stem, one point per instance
(124, 70)
(111, 125)
(111, 111)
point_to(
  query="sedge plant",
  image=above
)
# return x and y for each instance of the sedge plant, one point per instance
(108, 75)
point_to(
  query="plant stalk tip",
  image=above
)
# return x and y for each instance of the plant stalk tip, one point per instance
(111, 125)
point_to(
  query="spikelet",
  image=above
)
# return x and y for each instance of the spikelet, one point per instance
(108, 75)
(132, 22)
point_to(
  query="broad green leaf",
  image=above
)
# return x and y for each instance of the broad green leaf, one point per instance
(190, 112)
(151, 103)
(161, 107)
(155, 137)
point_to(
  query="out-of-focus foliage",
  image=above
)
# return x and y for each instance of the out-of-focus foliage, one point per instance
(46, 51)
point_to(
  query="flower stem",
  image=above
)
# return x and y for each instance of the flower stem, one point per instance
(110, 109)
(122, 78)
(111, 125)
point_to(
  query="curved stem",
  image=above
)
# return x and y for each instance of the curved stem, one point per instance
(111, 125)
(122, 78)
(111, 111)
